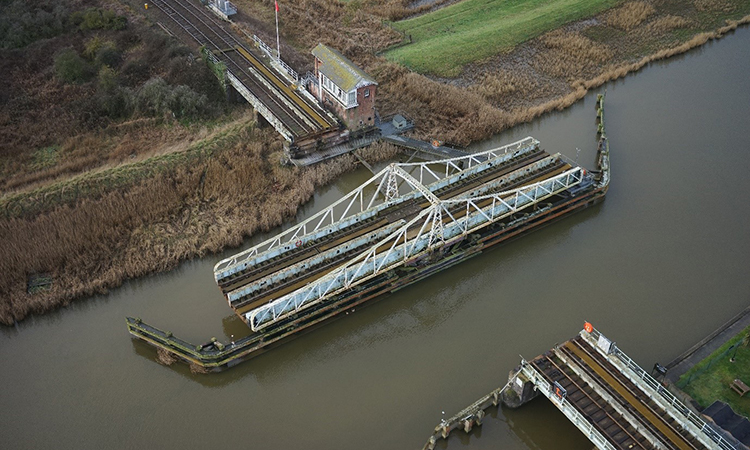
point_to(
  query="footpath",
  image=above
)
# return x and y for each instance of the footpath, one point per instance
(707, 345)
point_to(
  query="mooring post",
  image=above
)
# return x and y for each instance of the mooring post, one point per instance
(479, 417)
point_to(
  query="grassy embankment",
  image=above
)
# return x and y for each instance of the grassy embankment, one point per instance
(550, 72)
(710, 379)
(446, 40)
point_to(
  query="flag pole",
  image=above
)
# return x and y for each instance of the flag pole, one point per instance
(278, 47)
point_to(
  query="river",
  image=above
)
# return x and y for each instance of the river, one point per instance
(656, 267)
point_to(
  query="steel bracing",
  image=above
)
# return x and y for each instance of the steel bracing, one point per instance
(368, 199)
(441, 222)
(650, 388)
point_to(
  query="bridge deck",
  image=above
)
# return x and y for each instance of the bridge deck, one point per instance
(403, 211)
(297, 114)
(616, 406)
(263, 283)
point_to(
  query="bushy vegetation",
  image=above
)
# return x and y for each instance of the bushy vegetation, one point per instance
(98, 19)
(22, 22)
(73, 90)
(71, 68)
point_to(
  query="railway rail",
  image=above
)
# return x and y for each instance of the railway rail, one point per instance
(604, 393)
(299, 118)
(586, 377)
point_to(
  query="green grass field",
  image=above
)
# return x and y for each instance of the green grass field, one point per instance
(709, 380)
(471, 30)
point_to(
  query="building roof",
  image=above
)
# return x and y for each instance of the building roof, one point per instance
(340, 70)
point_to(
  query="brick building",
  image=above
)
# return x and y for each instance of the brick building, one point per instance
(344, 88)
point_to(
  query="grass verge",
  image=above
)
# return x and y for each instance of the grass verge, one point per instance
(449, 38)
(709, 380)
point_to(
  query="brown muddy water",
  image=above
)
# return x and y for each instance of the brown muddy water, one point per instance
(660, 264)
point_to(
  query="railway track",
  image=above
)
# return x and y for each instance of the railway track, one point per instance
(262, 290)
(593, 385)
(299, 116)
(398, 212)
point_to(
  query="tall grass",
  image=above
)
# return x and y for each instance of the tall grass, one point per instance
(195, 207)
(629, 15)
(570, 56)
(446, 40)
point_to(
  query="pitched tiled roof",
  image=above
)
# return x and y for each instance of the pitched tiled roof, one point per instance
(340, 70)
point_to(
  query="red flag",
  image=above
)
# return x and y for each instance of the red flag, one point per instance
(277, 5)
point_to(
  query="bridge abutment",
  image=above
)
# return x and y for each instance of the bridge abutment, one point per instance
(520, 391)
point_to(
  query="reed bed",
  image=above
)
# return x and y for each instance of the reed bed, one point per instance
(570, 56)
(629, 15)
(715, 5)
(197, 207)
(91, 232)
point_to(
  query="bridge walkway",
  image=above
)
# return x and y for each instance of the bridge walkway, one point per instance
(402, 212)
(614, 401)
(297, 115)
(426, 148)
(616, 406)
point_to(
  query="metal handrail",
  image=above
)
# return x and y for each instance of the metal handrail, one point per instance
(566, 407)
(650, 381)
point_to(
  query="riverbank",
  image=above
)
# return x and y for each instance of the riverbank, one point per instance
(708, 345)
(96, 242)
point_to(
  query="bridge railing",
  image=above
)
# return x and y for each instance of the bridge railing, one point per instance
(436, 227)
(566, 407)
(364, 201)
(673, 401)
(275, 57)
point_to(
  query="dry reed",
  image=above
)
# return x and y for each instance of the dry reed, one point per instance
(495, 87)
(570, 55)
(629, 15)
(195, 369)
(714, 5)
(196, 208)
(401, 9)
(666, 23)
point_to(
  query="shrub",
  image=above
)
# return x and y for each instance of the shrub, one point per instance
(157, 98)
(98, 19)
(21, 23)
(108, 55)
(71, 68)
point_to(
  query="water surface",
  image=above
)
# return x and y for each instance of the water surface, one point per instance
(659, 265)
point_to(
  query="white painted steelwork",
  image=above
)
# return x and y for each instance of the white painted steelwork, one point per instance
(368, 199)
(546, 389)
(434, 227)
(690, 421)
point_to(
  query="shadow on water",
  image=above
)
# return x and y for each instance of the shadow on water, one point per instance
(412, 310)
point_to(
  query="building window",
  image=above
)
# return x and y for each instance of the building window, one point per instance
(352, 98)
(367, 92)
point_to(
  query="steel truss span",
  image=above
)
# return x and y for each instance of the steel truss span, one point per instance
(438, 223)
